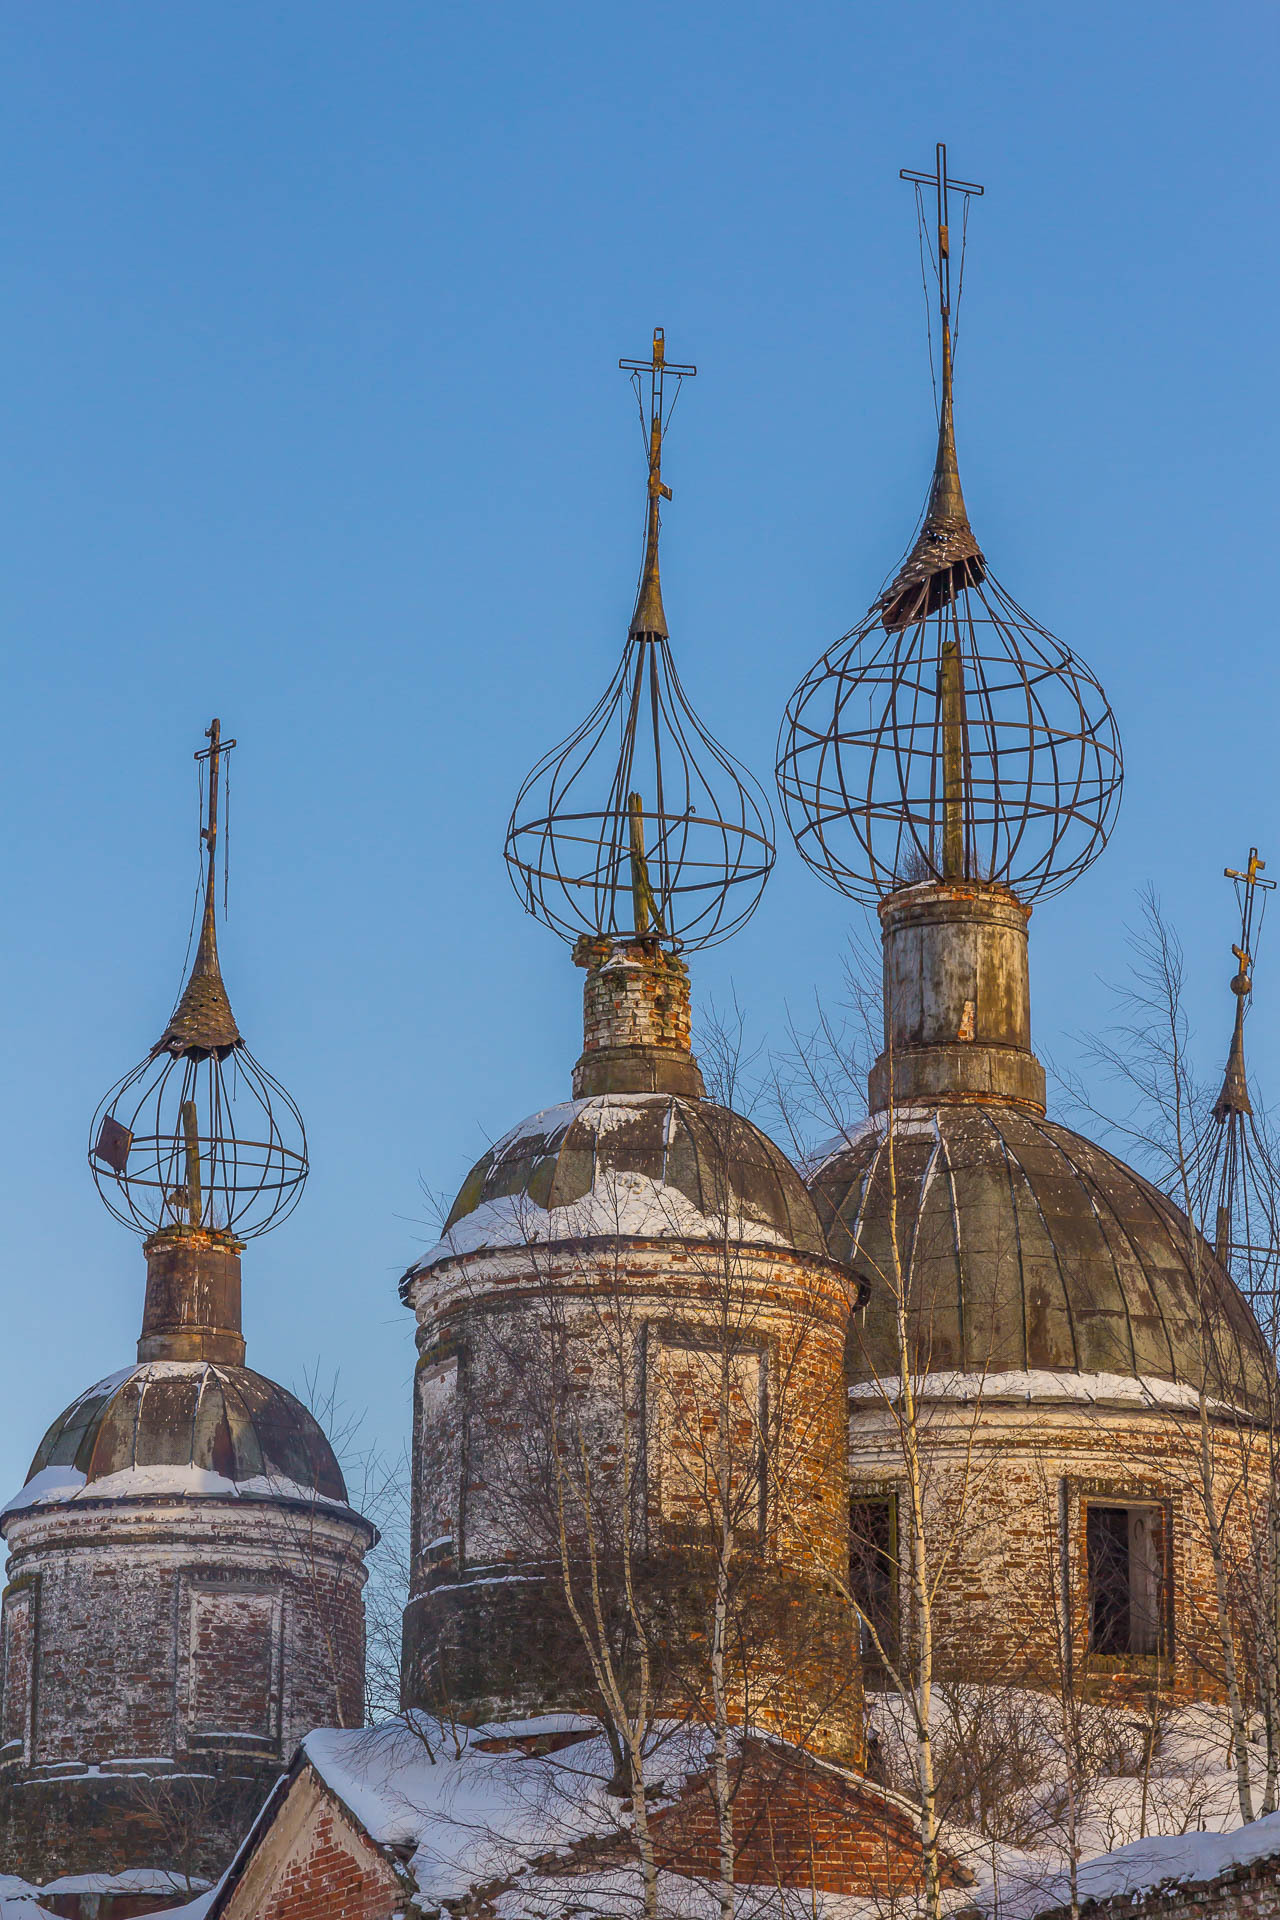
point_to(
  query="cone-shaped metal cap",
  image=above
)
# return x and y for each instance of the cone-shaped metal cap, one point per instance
(649, 616)
(202, 1022)
(1234, 1097)
(945, 557)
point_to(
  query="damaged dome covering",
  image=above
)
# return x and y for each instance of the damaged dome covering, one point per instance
(643, 1165)
(170, 1427)
(1029, 1249)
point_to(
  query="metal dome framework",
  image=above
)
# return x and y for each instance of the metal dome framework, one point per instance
(948, 736)
(207, 1142)
(640, 825)
(199, 1134)
(963, 743)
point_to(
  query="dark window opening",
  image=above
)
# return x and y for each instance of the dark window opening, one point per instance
(1125, 1553)
(873, 1573)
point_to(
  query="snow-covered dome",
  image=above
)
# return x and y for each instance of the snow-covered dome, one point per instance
(1029, 1249)
(172, 1427)
(647, 1165)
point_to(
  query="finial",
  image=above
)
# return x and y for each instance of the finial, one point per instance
(202, 1022)
(1234, 1097)
(649, 617)
(945, 556)
(639, 826)
(165, 1149)
(948, 737)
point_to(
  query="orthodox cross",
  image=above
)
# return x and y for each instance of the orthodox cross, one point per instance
(656, 368)
(213, 754)
(945, 189)
(1248, 886)
(941, 180)
(1234, 1098)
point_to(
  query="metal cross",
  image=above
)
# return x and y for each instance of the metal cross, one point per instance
(213, 754)
(945, 185)
(1248, 886)
(656, 368)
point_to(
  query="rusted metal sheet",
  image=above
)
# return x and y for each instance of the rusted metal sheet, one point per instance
(226, 1420)
(711, 1157)
(1026, 1247)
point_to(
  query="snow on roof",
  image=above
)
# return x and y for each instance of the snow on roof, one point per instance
(1178, 1859)
(59, 1486)
(620, 1203)
(909, 1123)
(195, 1909)
(19, 1900)
(1039, 1385)
(601, 1112)
(132, 1880)
(469, 1816)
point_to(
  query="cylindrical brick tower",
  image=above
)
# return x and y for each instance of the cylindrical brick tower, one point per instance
(635, 1280)
(185, 1572)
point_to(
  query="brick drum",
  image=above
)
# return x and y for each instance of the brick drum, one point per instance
(636, 1283)
(180, 1637)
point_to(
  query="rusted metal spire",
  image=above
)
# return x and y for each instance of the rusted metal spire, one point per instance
(649, 617)
(945, 556)
(1234, 1097)
(202, 1022)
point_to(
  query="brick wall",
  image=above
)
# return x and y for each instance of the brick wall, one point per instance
(800, 1826)
(585, 1337)
(1246, 1893)
(1007, 1486)
(168, 1635)
(633, 996)
(312, 1863)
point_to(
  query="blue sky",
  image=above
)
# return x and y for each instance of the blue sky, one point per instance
(310, 417)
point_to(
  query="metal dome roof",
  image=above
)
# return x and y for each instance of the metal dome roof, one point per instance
(1029, 1248)
(226, 1422)
(647, 1165)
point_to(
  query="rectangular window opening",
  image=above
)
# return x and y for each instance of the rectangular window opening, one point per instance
(873, 1574)
(1125, 1551)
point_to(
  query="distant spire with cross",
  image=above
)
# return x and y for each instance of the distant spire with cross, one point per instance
(1249, 884)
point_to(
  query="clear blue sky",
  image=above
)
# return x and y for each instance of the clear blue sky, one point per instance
(310, 417)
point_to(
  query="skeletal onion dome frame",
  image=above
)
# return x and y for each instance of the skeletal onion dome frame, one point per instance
(860, 753)
(1238, 1202)
(708, 832)
(252, 1144)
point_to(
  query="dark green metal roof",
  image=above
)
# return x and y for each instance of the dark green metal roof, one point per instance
(702, 1153)
(227, 1420)
(1028, 1248)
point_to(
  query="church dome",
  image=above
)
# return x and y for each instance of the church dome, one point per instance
(171, 1427)
(647, 1165)
(1029, 1250)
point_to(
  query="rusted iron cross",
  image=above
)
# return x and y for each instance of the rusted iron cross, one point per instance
(1248, 886)
(656, 368)
(213, 754)
(945, 185)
